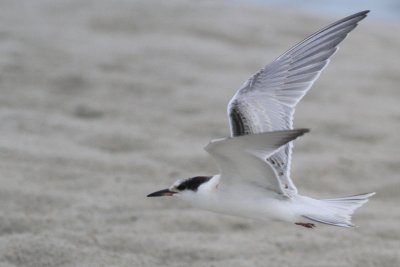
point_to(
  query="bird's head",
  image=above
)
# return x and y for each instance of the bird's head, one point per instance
(182, 186)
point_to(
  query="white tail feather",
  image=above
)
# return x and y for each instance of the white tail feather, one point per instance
(336, 211)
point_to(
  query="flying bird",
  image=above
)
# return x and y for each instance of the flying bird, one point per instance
(254, 162)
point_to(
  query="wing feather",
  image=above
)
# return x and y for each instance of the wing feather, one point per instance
(266, 101)
(241, 159)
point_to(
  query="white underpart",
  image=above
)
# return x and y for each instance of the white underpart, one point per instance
(269, 205)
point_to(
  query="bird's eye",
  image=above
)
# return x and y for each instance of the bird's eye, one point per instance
(180, 187)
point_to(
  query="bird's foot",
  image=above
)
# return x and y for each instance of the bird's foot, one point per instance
(306, 225)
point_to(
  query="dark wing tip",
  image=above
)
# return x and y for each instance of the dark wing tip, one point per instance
(360, 15)
(301, 131)
(290, 135)
(364, 12)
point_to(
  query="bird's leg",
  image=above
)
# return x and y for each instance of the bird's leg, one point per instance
(306, 225)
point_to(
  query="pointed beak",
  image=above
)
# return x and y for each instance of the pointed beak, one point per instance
(162, 193)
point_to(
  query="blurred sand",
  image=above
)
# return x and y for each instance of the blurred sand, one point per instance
(103, 102)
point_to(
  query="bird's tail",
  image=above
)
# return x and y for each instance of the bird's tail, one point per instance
(336, 211)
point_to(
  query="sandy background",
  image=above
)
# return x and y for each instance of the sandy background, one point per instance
(103, 102)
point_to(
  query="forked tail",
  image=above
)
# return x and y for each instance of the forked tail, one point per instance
(336, 211)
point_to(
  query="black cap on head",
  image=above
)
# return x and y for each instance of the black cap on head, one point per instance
(193, 183)
(181, 185)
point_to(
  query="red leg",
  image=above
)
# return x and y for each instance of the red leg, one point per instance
(306, 225)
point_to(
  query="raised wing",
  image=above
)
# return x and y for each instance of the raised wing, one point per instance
(266, 102)
(241, 159)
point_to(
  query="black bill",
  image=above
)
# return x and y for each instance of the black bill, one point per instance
(162, 193)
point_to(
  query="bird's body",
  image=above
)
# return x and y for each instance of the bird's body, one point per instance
(241, 202)
(254, 162)
(264, 205)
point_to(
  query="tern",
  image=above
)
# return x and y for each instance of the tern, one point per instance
(254, 162)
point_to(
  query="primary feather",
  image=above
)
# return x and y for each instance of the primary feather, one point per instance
(266, 101)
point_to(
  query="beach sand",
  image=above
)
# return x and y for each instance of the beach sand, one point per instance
(103, 102)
